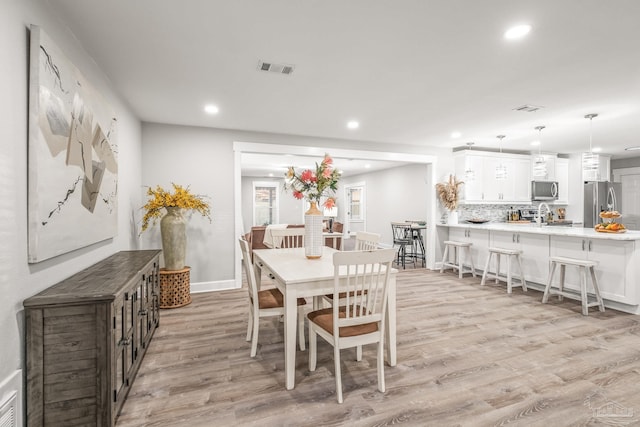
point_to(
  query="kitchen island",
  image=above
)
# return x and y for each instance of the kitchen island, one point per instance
(618, 255)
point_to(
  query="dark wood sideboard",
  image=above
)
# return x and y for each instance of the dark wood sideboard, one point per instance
(86, 337)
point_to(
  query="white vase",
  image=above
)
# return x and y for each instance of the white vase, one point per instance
(452, 219)
(313, 238)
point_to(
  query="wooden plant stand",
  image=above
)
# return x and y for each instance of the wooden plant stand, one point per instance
(175, 289)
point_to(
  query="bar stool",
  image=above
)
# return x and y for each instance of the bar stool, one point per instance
(458, 248)
(583, 267)
(510, 254)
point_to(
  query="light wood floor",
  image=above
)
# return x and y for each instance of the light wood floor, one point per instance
(467, 356)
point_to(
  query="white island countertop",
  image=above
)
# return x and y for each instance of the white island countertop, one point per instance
(549, 230)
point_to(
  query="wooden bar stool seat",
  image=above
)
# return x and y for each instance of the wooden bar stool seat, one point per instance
(458, 249)
(584, 266)
(510, 254)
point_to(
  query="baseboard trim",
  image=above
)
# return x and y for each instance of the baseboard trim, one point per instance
(219, 285)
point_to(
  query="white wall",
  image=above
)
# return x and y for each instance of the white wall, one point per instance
(395, 194)
(18, 279)
(203, 158)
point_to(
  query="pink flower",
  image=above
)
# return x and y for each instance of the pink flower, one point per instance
(327, 173)
(298, 195)
(327, 160)
(308, 176)
(329, 203)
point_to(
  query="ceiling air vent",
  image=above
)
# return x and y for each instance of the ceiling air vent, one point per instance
(286, 69)
(528, 108)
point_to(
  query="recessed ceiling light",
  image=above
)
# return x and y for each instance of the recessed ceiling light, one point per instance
(211, 109)
(535, 143)
(517, 32)
(632, 148)
(455, 135)
(353, 124)
(367, 166)
(270, 174)
(597, 149)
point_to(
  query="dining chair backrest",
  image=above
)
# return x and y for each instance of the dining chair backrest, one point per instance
(364, 276)
(367, 241)
(401, 232)
(249, 271)
(288, 238)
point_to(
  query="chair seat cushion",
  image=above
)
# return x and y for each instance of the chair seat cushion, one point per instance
(324, 319)
(273, 298)
(343, 295)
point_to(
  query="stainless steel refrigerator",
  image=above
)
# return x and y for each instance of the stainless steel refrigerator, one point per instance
(598, 197)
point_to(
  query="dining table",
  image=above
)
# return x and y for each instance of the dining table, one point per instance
(297, 276)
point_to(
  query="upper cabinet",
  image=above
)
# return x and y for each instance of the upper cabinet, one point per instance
(602, 173)
(548, 170)
(478, 171)
(562, 176)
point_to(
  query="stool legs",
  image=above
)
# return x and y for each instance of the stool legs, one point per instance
(596, 289)
(583, 271)
(509, 278)
(545, 297)
(444, 258)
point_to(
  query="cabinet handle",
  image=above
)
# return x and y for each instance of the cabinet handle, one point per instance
(142, 312)
(583, 245)
(125, 341)
(590, 245)
(513, 238)
(518, 239)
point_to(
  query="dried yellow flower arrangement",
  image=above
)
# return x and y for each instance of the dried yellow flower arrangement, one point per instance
(180, 198)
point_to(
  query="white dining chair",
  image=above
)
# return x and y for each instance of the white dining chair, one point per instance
(366, 241)
(288, 238)
(265, 303)
(364, 276)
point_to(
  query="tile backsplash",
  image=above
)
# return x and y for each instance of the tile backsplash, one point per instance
(492, 213)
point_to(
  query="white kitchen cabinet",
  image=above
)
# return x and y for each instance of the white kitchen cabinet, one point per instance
(615, 270)
(602, 173)
(484, 187)
(479, 247)
(472, 189)
(562, 177)
(550, 163)
(535, 253)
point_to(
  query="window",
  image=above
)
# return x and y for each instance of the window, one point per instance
(265, 203)
(355, 215)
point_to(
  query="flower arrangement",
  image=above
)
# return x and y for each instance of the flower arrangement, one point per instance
(180, 198)
(448, 192)
(313, 185)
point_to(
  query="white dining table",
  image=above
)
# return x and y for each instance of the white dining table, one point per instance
(296, 276)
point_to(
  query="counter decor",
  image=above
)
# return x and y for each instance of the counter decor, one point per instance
(448, 193)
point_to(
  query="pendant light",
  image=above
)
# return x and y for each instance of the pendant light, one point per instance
(469, 174)
(540, 163)
(501, 169)
(590, 160)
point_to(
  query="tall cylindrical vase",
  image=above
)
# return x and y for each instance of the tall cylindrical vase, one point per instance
(173, 227)
(313, 239)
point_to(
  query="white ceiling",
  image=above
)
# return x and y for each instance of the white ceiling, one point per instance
(410, 71)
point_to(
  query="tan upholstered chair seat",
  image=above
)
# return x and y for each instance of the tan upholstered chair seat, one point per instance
(324, 319)
(273, 298)
(343, 295)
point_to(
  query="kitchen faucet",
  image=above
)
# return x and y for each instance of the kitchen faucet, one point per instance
(539, 217)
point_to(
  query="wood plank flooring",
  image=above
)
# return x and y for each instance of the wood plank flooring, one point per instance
(467, 356)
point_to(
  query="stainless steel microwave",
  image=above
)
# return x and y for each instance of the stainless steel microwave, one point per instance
(544, 190)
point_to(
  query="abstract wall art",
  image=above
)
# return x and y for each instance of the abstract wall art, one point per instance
(73, 167)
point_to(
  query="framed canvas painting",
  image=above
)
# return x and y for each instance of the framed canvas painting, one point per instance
(73, 167)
